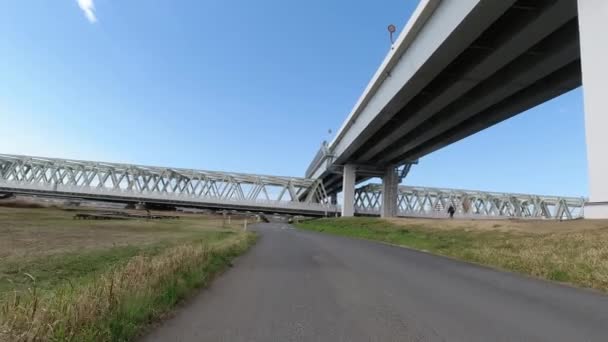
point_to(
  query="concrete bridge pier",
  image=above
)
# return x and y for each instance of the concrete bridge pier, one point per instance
(593, 24)
(348, 188)
(390, 190)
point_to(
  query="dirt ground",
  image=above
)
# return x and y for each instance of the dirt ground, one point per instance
(528, 226)
(33, 232)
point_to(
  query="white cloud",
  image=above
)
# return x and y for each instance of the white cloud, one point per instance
(88, 7)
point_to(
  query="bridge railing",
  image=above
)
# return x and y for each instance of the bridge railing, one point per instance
(322, 156)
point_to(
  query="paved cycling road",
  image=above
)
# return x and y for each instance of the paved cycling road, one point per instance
(304, 286)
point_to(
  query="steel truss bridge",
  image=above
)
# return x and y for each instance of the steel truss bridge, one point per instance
(161, 185)
(127, 183)
(433, 202)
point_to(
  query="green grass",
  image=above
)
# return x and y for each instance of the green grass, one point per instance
(50, 272)
(117, 303)
(576, 257)
(68, 280)
(74, 268)
(414, 236)
(135, 312)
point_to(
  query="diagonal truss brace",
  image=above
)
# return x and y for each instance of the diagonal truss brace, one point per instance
(433, 202)
(89, 177)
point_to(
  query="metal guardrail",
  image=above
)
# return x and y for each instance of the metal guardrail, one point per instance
(323, 155)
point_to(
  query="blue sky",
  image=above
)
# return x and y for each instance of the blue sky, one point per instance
(249, 86)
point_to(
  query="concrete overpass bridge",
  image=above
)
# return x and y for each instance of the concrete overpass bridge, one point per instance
(458, 67)
(461, 66)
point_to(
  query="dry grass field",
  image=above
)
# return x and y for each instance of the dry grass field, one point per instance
(574, 252)
(67, 279)
(524, 226)
(28, 233)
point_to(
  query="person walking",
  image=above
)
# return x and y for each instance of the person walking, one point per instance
(451, 211)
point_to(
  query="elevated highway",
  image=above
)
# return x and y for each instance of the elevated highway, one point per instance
(461, 66)
(458, 67)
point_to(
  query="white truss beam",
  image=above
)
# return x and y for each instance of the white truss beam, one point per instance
(434, 202)
(158, 183)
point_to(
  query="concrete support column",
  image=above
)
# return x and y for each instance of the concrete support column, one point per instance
(593, 24)
(333, 198)
(390, 189)
(348, 188)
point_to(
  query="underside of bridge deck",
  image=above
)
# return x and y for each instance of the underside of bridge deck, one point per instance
(529, 55)
(502, 58)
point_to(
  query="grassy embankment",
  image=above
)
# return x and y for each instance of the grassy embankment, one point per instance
(574, 252)
(65, 279)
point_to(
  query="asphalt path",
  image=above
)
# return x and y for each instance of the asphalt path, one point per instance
(304, 286)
